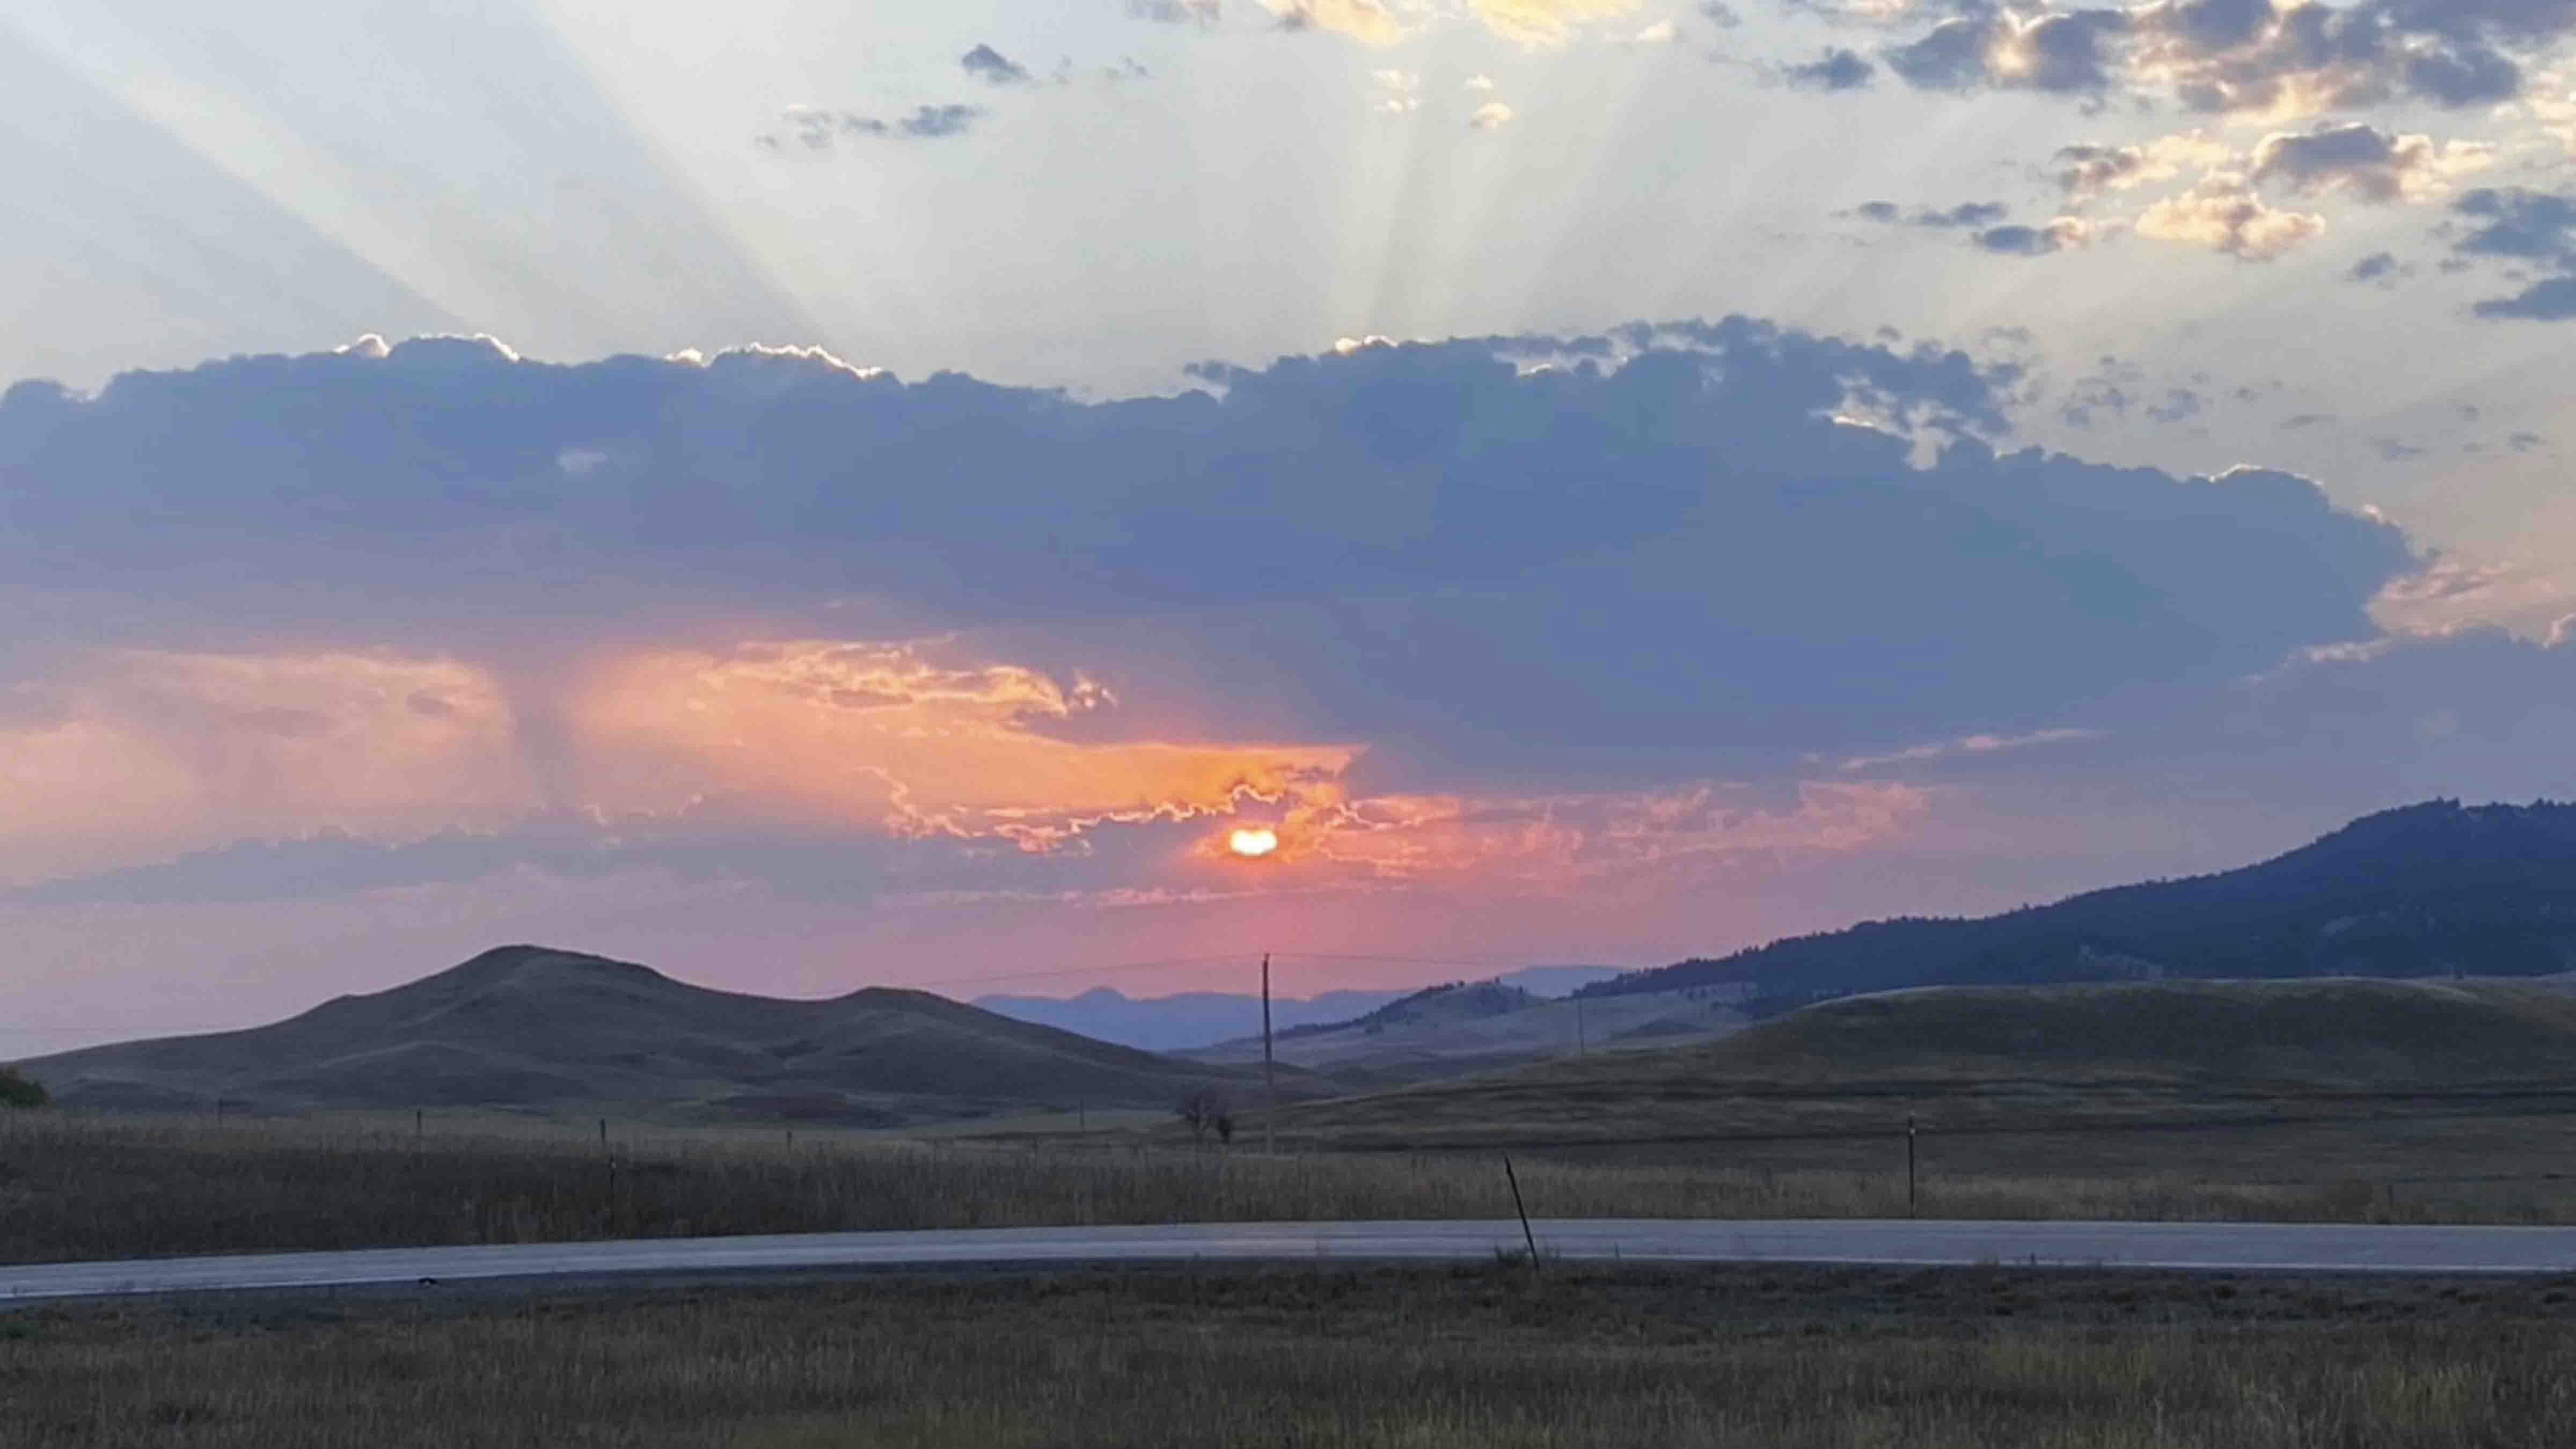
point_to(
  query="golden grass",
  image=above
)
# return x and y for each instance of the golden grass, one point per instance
(75, 1187)
(1389, 1360)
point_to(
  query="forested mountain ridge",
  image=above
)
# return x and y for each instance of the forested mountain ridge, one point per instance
(2428, 890)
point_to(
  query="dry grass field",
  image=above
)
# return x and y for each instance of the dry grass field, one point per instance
(2019, 1062)
(75, 1187)
(1482, 1358)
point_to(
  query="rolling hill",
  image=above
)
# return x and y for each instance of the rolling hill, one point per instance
(2431, 890)
(526, 1027)
(1204, 1018)
(1469, 1027)
(2023, 1058)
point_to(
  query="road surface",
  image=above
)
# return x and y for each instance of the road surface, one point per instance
(2180, 1247)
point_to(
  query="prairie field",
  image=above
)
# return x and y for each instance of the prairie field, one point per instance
(1464, 1358)
(77, 1187)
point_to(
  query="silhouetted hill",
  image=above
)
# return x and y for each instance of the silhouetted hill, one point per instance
(1451, 1001)
(2429, 890)
(528, 1027)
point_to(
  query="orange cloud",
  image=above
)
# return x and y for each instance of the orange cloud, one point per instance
(880, 734)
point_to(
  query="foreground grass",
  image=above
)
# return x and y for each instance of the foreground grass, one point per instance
(88, 1188)
(1422, 1359)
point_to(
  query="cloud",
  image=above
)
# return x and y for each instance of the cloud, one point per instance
(986, 64)
(877, 737)
(187, 749)
(2066, 233)
(2367, 163)
(2518, 224)
(1988, 230)
(1965, 214)
(1400, 92)
(1053, 640)
(2232, 57)
(2089, 171)
(1567, 843)
(815, 131)
(1533, 24)
(1177, 12)
(2224, 214)
(1970, 746)
(2067, 52)
(1491, 116)
(1838, 69)
(1545, 23)
(2381, 267)
(1363, 20)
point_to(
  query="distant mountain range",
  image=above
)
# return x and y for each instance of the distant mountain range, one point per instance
(2430, 890)
(525, 1027)
(1204, 1018)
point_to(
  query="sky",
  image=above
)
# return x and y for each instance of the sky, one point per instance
(810, 495)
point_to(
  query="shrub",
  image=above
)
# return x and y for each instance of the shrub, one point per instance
(20, 1091)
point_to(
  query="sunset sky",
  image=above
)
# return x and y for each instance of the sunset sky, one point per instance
(807, 495)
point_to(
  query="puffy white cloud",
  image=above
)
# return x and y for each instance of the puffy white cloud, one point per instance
(2089, 171)
(1491, 116)
(2225, 214)
(1539, 23)
(1399, 91)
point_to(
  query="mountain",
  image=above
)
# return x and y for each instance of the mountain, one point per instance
(2430, 890)
(2172, 1053)
(1201, 1018)
(531, 1028)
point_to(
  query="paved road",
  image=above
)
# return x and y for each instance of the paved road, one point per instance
(2184, 1247)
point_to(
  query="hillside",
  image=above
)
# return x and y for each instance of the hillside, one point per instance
(1183, 1019)
(2431, 890)
(527, 1027)
(1471, 1027)
(2039, 1058)
(1204, 1018)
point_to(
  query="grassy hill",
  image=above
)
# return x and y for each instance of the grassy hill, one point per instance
(528, 1027)
(1470, 1027)
(2430, 890)
(2021, 1059)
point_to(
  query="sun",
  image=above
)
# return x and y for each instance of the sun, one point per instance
(1253, 844)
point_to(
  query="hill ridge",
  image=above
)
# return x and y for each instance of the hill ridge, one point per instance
(2422, 890)
(532, 1027)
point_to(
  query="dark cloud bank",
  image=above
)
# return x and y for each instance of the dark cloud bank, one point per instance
(1654, 555)
(1680, 549)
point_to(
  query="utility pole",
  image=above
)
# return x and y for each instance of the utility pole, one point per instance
(1913, 1204)
(1269, 1069)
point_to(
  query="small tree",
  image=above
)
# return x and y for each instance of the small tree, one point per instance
(1225, 1128)
(1204, 1109)
(21, 1091)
